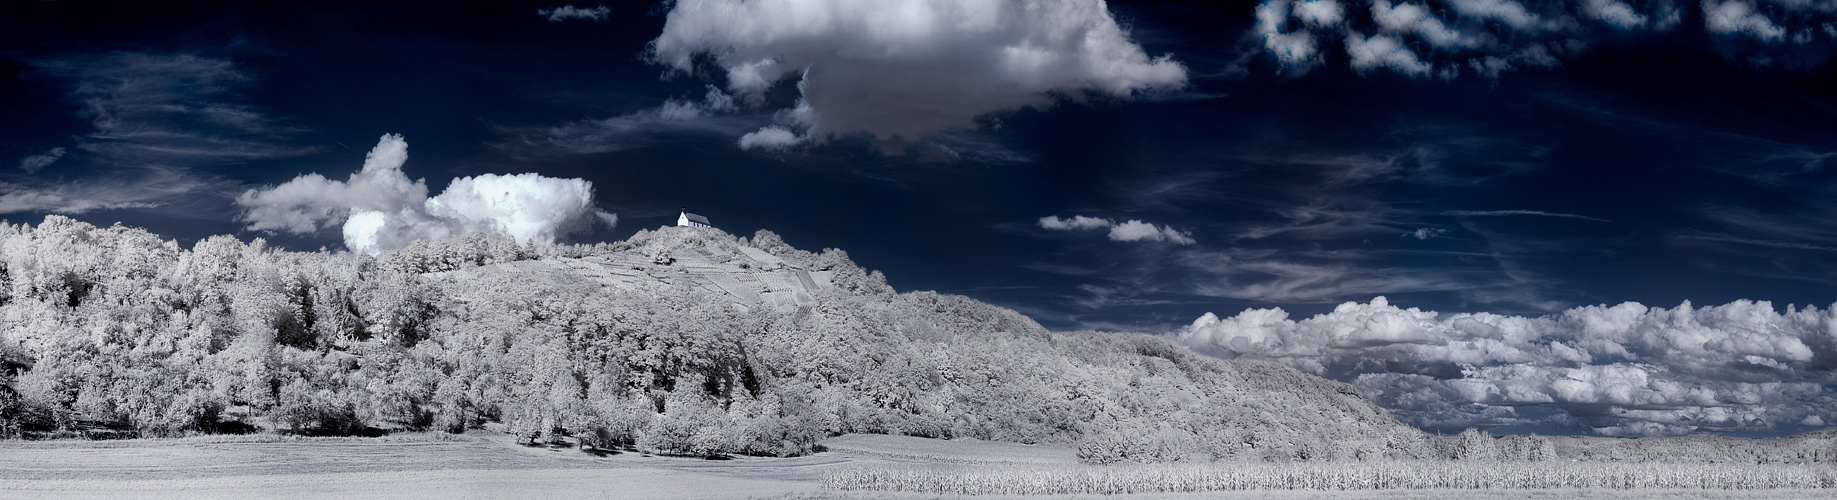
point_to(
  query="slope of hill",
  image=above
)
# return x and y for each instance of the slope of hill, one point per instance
(678, 341)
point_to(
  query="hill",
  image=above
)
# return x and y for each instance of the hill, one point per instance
(677, 341)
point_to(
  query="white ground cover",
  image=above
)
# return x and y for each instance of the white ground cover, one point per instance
(482, 465)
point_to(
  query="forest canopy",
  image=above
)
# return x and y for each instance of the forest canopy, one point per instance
(114, 331)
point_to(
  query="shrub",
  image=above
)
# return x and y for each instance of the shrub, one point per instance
(687, 428)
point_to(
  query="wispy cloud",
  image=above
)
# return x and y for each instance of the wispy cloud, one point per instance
(33, 164)
(566, 12)
(1424, 233)
(129, 188)
(710, 115)
(173, 109)
(1751, 241)
(1499, 213)
(157, 119)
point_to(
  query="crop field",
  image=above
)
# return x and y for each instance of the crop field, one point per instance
(1329, 476)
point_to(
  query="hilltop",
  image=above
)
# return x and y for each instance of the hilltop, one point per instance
(684, 341)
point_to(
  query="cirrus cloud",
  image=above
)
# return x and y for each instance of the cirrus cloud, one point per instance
(32, 164)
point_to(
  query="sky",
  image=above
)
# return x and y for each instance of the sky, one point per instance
(1587, 216)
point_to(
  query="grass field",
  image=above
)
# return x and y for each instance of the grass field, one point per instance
(484, 466)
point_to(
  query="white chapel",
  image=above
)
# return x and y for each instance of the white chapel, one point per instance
(691, 220)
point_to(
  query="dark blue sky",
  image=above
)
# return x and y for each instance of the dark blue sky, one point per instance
(1282, 154)
(1698, 173)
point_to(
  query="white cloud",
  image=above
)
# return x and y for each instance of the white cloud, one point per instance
(1505, 11)
(1135, 230)
(1445, 38)
(1383, 51)
(770, 137)
(1132, 230)
(1418, 20)
(1739, 366)
(1739, 17)
(566, 12)
(1292, 49)
(899, 71)
(381, 209)
(1076, 222)
(32, 164)
(1614, 12)
(1320, 12)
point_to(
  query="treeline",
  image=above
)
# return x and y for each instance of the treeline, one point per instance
(112, 331)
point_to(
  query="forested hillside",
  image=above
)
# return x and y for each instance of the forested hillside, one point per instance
(114, 331)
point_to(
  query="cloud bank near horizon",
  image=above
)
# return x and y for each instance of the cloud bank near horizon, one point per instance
(900, 71)
(381, 209)
(1624, 370)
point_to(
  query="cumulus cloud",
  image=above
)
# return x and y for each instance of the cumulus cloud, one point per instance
(381, 209)
(1443, 38)
(1416, 19)
(1385, 52)
(1616, 370)
(771, 137)
(566, 12)
(1619, 14)
(1132, 230)
(32, 164)
(1294, 50)
(1320, 12)
(1076, 222)
(1736, 17)
(900, 71)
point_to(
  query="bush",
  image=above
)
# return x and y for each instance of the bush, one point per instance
(690, 428)
(319, 413)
